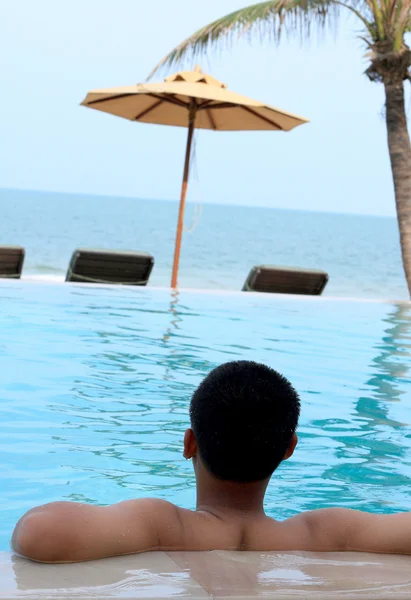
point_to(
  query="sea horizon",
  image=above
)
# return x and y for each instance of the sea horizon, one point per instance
(361, 253)
(191, 203)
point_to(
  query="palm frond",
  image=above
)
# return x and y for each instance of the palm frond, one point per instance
(267, 18)
(400, 23)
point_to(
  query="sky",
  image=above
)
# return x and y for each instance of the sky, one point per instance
(52, 53)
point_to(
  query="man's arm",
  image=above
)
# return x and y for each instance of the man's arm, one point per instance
(70, 532)
(340, 529)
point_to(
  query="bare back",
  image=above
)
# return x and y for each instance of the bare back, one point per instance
(206, 531)
(327, 530)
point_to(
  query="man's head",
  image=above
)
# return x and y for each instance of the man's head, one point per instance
(244, 416)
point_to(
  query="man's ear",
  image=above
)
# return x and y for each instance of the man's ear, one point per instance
(190, 444)
(291, 447)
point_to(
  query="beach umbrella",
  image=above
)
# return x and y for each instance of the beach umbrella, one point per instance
(194, 100)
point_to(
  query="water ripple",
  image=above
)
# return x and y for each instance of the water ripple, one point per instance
(95, 387)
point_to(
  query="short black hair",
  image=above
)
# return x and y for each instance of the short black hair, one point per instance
(244, 415)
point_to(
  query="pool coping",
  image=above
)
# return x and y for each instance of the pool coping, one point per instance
(218, 575)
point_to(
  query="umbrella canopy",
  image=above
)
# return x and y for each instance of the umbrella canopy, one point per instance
(195, 100)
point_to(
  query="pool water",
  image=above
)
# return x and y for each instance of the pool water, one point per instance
(95, 385)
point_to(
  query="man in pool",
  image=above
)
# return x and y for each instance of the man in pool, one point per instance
(244, 418)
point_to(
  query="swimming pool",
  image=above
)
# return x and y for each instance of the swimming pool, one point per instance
(95, 385)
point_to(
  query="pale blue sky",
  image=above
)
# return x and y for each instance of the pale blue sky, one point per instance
(52, 53)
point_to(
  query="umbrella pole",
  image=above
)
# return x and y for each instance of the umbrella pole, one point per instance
(184, 186)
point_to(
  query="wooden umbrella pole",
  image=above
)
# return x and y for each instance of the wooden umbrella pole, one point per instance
(191, 127)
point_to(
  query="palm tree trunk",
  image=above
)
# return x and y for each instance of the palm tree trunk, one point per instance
(400, 155)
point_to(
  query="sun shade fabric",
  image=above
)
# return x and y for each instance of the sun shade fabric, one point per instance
(110, 266)
(193, 100)
(168, 103)
(11, 261)
(285, 280)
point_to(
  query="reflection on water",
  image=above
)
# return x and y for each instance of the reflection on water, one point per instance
(114, 578)
(389, 379)
(175, 319)
(131, 360)
(214, 574)
(378, 439)
(96, 385)
(392, 364)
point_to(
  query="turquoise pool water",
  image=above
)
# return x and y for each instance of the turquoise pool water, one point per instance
(95, 385)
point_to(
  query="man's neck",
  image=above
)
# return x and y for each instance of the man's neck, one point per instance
(225, 497)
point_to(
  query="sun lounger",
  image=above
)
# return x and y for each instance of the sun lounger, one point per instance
(11, 262)
(110, 266)
(285, 280)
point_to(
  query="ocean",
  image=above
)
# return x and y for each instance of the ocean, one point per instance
(360, 253)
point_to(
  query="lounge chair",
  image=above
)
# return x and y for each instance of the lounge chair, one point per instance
(285, 280)
(11, 262)
(110, 266)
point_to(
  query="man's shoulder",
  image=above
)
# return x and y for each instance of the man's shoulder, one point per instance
(163, 512)
(161, 507)
(175, 528)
